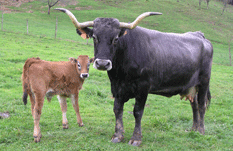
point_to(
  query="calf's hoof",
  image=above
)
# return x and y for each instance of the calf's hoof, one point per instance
(37, 138)
(65, 126)
(135, 142)
(81, 125)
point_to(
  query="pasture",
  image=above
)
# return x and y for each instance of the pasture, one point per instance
(166, 123)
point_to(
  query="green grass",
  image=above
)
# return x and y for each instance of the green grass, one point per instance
(166, 123)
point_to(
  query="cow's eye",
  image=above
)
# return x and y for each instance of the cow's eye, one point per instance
(95, 38)
(115, 40)
(79, 66)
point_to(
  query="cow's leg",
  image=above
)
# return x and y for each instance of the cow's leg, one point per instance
(39, 101)
(63, 104)
(74, 99)
(136, 139)
(194, 105)
(119, 128)
(202, 100)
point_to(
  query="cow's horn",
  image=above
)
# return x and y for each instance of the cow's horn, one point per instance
(137, 20)
(74, 20)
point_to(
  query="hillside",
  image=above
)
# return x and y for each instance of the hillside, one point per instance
(178, 17)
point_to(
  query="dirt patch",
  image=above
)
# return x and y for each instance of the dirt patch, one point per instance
(4, 4)
(14, 3)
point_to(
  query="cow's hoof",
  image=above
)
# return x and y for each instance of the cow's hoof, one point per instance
(116, 139)
(195, 127)
(65, 126)
(201, 130)
(81, 125)
(134, 142)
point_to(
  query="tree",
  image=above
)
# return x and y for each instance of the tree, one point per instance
(51, 3)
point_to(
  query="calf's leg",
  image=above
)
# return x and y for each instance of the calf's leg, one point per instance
(74, 99)
(63, 104)
(39, 101)
(32, 99)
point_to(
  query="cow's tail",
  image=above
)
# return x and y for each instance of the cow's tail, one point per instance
(25, 78)
(208, 97)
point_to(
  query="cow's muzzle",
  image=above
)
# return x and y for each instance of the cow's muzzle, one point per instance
(102, 64)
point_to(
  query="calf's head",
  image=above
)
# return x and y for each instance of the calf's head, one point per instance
(82, 64)
(106, 34)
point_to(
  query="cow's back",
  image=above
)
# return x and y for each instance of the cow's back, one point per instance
(171, 61)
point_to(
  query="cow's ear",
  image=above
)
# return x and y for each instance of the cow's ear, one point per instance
(85, 33)
(92, 60)
(123, 32)
(73, 60)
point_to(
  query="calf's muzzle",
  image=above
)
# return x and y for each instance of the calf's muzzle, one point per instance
(84, 75)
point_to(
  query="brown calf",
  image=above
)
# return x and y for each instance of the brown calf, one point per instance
(44, 78)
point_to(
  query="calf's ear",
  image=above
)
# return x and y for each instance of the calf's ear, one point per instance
(92, 60)
(73, 60)
(85, 33)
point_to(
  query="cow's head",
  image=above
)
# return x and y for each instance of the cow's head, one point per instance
(82, 64)
(105, 33)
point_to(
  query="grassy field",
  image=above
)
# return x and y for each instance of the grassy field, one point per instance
(166, 123)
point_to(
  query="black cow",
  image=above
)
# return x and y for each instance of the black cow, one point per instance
(141, 61)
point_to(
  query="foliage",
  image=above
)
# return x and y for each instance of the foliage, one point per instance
(166, 123)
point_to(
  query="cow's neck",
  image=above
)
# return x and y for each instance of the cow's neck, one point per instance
(124, 66)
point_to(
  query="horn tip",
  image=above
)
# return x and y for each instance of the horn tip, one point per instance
(155, 13)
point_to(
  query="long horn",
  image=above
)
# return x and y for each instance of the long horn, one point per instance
(74, 20)
(137, 20)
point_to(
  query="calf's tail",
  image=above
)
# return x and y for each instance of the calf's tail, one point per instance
(25, 78)
(25, 96)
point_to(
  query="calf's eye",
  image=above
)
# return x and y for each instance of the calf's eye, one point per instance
(79, 66)
(88, 66)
